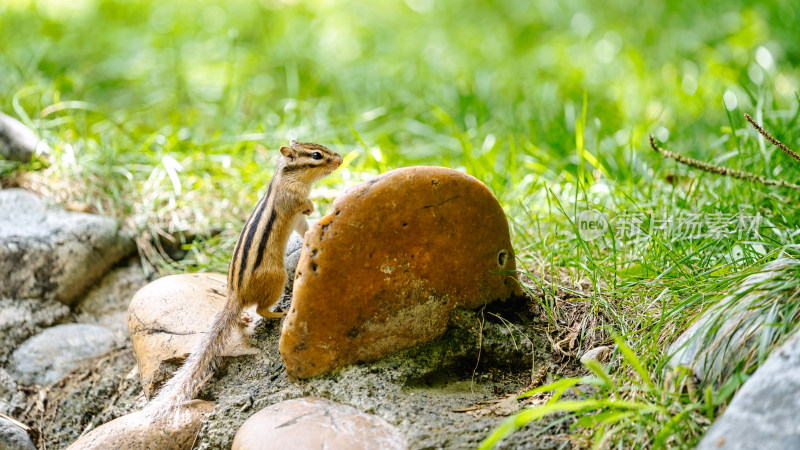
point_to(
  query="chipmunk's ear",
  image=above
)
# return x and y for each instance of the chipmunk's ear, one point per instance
(293, 143)
(286, 151)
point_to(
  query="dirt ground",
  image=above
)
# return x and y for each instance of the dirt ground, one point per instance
(450, 393)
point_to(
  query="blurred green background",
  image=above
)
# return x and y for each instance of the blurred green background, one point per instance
(426, 81)
(173, 109)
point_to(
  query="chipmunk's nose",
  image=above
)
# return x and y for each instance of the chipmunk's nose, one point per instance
(337, 160)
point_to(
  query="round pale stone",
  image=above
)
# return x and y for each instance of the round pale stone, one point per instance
(383, 271)
(316, 423)
(168, 317)
(140, 430)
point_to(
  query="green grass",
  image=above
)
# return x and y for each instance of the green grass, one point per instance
(167, 115)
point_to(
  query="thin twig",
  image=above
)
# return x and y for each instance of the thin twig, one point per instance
(771, 139)
(719, 170)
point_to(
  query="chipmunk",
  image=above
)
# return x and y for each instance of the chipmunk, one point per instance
(256, 274)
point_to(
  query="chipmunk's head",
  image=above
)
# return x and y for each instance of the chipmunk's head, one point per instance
(308, 162)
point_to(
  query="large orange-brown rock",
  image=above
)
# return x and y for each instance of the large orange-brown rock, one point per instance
(141, 431)
(383, 271)
(169, 316)
(311, 422)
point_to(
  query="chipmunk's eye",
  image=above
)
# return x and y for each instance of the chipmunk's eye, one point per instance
(316, 155)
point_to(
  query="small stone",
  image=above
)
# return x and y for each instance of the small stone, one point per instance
(51, 354)
(169, 316)
(764, 412)
(316, 423)
(13, 436)
(21, 319)
(140, 431)
(597, 354)
(52, 254)
(18, 142)
(383, 271)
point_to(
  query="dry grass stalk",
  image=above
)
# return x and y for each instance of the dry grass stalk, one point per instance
(719, 170)
(771, 139)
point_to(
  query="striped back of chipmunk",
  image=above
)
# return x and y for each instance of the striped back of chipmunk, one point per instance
(254, 240)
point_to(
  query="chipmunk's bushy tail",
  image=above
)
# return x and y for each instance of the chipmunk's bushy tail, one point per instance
(186, 382)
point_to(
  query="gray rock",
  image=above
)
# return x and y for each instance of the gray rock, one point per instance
(13, 437)
(48, 356)
(107, 303)
(293, 249)
(53, 254)
(764, 413)
(21, 319)
(730, 326)
(18, 142)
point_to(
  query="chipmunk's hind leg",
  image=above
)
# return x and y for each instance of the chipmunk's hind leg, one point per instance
(272, 315)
